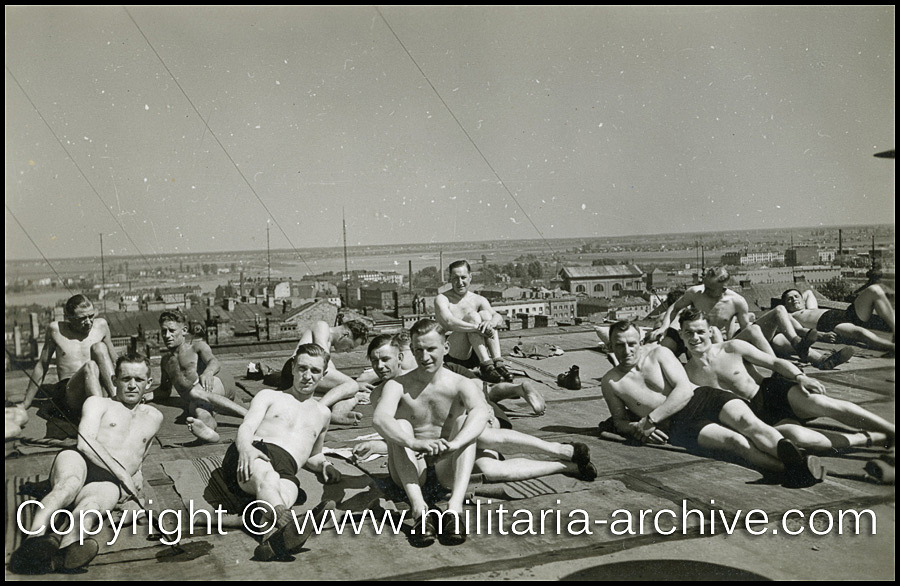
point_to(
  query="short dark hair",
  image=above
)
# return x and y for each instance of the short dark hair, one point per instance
(403, 338)
(76, 301)
(691, 313)
(132, 358)
(175, 315)
(620, 327)
(382, 340)
(720, 273)
(314, 350)
(784, 294)
(458, 263)
(358, 329)
(426, 326)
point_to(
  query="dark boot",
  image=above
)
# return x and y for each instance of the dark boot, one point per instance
(570, 380)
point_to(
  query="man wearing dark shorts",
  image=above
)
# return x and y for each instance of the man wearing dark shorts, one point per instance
(652, 383)
(281, 433)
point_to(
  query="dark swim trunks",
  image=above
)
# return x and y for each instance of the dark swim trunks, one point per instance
(96, 473)
(835, 317)
(703, 409)
(283, 463)
(771, 403)
(470, 362)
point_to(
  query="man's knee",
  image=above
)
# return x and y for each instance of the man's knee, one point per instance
(90, 369)
(99, 349)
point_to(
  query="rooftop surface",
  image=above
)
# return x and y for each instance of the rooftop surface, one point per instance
(632, 479)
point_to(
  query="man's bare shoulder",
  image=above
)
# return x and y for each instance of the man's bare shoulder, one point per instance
(150, 412)
(198, 345)
(694, 291)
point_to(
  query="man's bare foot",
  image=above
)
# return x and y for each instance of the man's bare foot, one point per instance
(533, 397)
(348, 418)
(363, 450)
(202, 431)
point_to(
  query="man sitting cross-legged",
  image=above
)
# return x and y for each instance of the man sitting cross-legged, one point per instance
(869, 311)
(282, 432)
(652, 384)
(191, 369)
(785, 400)
(431, 418)
(386, 355)
(104, 469)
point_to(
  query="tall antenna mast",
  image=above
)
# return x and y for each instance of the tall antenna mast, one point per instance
(346, 265)
(103, 275)
(268, 262)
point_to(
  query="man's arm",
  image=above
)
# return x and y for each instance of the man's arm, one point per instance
(318, 463)
(37, 375)
(677, 378)
(107, 339)
(204, 352)
(385, 423)
(338, 386)
(449, 321)
(259, 406)
(753, 355)
(496, 319)
(477, 415)
(619, 411)
(741, 311)
(666, 320)
(164, 390)
(91, 415)
(809, 299)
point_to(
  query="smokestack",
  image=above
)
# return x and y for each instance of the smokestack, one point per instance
(18, 340)
(410, 277)
(840, 241)
(35, 326)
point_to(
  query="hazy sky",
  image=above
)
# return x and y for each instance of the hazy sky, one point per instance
(600, 121)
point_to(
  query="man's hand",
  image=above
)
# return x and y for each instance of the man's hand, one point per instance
(245, 459)
(348, 418)
(330, 474)
(811, 385)
(206, 381)
(365, 387)
(827, 337)
(431, 447)
(656, 335)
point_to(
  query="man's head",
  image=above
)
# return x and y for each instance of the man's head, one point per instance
(310, 365)
(460, 276)
(172, 328)
(384, 354)
(403, 338)
(80, 313)
(429, 344)
(625, 340)
(354, 333)
(715, 279)
(132, 378)
(792, 299)
(695, 330)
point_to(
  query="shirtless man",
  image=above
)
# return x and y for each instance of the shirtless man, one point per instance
(192, 370)
(729, 313)
(869, 311)
(386, 355)
(431, 417)
(652, 384)
(282, 432)
(84, 357)
(472, 325)
(784, 401)
(338, 389)
(105, 468)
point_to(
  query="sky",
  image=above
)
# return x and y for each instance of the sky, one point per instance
(192, 129)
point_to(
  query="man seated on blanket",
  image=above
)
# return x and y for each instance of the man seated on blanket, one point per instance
(103, 470)
(386, 354)
(870, 310)
(338, 389)
(282, 432)
(430, 418)
(652, 384)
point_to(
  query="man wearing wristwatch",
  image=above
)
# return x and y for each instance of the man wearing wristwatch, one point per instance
(786, 400)
(652, 384)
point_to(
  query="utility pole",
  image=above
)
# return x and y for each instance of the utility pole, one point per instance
(268, 262)
(103, 275)
(346, 265)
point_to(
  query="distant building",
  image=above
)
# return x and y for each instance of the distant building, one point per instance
(801, 255)
(601, 281)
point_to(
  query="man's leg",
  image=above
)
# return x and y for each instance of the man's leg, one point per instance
(779, 321)
(854, 333)
(526, 390)
(809, 406)
(827, 441)
(873, 300)
(203, 405)
(512, 469)
(720, 438)
(456, 470)
(93, 500)
(106, 367)
(737, 415)
(407, 468)
(267, 485)
(513, 442)
(83, 384)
